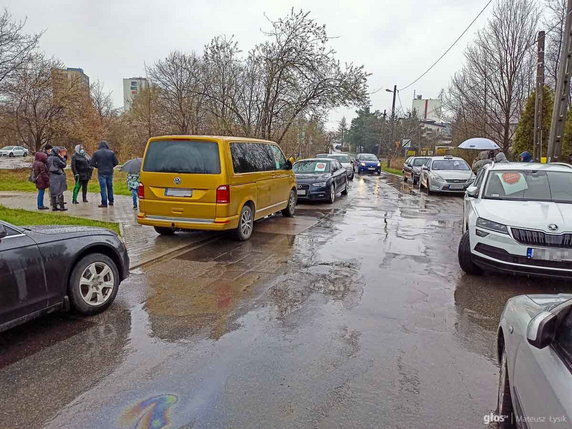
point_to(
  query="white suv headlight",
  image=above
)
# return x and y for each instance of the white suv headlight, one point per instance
(492, 226)
(436, 177)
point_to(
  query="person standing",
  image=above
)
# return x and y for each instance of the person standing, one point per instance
(58, 184)
(526, 157)
(81, 168)
(41, 177)
(104, 160)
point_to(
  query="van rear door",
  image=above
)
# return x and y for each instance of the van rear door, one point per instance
(180, 179)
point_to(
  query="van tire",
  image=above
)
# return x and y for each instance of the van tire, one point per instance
(245, 224)
(161, 230)
(290, 209)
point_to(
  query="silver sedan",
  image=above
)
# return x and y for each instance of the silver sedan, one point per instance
(535, 356)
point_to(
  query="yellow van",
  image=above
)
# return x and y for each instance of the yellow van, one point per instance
(213, 183)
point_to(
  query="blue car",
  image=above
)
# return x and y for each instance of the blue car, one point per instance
(367, 163)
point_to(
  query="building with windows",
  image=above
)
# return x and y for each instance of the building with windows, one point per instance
(428, 109)
(70, 78)
(131, 87)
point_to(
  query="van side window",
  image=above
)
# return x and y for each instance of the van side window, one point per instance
(279, 158)
(252, 157)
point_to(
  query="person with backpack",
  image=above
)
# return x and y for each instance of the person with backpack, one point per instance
(58, 183)
(40, 177)
(104, 160)
(81, 168)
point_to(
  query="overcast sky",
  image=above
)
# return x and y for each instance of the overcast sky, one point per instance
(396, 40)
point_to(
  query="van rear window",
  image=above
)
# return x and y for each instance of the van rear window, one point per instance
(182, 156)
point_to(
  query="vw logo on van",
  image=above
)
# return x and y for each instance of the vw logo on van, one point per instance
(553, 227)
(177, 180)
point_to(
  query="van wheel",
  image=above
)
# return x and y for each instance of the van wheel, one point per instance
(466, 258)
(290, 209)
(245, 224)
(161, 230)
(93, 284)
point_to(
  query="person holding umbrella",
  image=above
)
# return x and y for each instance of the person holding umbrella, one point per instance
(132, 168)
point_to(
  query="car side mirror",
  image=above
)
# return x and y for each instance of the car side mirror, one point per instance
(472, 192)
(541, 330)
(3, 232)
(288, 165)
(426, 168)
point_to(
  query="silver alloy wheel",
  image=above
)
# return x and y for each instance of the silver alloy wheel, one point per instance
(246, 223)
(332, 193)
(292, 202)
(96, 283)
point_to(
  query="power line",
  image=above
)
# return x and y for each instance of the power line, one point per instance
(448, 49)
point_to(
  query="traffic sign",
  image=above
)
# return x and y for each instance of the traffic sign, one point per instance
(406, 143)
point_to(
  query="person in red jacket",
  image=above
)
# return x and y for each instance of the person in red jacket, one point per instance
(41, 177)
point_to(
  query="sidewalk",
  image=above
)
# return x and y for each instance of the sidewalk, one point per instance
(143, 243)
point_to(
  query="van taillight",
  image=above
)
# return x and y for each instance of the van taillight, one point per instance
(223, 194)
(141, 191)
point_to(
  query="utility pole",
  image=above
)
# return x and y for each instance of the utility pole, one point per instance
(538, 102)
(562, 91)
(393, 121)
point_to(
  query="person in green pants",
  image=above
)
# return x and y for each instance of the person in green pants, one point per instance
(82, 171)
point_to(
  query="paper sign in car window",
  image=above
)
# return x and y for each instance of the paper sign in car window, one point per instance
(320, 166)
(513, 182)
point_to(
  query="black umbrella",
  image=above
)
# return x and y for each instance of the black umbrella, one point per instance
(133, 166)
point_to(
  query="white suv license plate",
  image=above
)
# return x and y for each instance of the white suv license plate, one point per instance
(457, 186)
(178, 192)
(549, 254)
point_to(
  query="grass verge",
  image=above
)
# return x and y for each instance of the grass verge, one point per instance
(17, 180)
(20, 217)
(392, 170)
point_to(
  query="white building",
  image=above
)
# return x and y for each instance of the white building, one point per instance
(428, 109)
(131, 87)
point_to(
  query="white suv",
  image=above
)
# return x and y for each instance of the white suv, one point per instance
(518, 219)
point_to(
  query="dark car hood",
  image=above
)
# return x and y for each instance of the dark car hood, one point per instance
(312, 177)
(46, 233)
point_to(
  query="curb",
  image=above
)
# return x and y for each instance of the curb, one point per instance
(170, 253)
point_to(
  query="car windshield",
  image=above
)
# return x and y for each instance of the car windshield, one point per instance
(367, 157)
(529, 185)
(449, 164)
(341, 158)
(8, 148)
(418, 162)
(312, 167)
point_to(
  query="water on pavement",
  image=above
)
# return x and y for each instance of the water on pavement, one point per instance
(355, 315)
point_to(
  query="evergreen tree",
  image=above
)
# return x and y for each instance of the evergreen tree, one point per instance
(524, 135)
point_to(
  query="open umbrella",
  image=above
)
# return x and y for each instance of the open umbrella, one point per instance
(479, 143)
(133, 166)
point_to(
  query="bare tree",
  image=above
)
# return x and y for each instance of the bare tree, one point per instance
(554, 25)
(179, 79)
(37, 101)
(497, 77)
(16, 48)
(301, 75)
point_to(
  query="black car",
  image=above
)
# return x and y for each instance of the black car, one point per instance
(49, 268)
(320, 179)
(412, 168)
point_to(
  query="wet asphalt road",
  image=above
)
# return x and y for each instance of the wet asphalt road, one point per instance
(352, 316)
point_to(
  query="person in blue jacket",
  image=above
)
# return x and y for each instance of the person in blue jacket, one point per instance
(526, 157)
